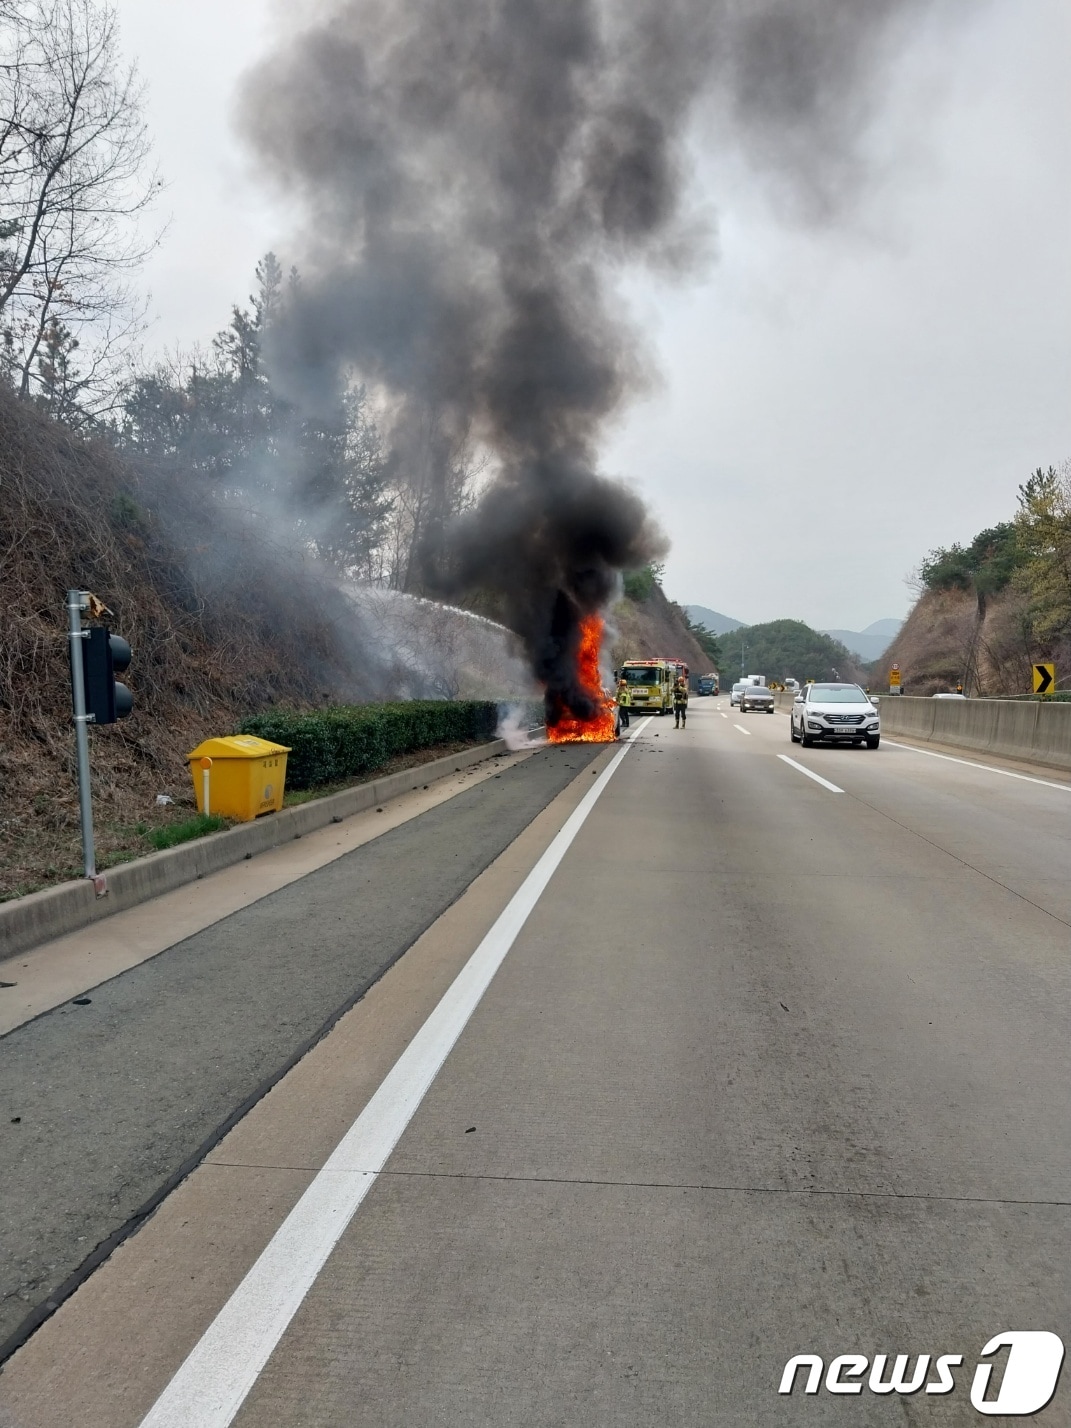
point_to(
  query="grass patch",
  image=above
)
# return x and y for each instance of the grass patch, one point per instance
(175, 833)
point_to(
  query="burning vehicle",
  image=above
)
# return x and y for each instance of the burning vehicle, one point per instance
(594, 717)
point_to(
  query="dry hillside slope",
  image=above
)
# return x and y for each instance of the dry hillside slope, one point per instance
(944, 642)
(653, 628)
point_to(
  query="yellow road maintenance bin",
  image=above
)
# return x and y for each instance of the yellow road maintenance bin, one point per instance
(245, 777)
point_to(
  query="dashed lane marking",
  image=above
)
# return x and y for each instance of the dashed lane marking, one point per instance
(742, 729)
(810, 774)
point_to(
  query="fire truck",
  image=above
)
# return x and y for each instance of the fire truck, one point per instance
(650, 684)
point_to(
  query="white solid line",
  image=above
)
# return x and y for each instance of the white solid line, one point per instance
(988, 768)
(211, 1385)
(811, 774)
(742, 729)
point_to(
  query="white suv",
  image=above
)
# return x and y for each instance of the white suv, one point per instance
(840, 712)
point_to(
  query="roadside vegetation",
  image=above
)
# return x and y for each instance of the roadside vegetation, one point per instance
(353, 742)
(988, 610)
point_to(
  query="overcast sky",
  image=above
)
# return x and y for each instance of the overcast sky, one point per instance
(833, 401)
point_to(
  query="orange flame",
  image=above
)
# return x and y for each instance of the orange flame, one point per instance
(599, 729)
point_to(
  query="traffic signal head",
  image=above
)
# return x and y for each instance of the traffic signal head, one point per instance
(105, 655)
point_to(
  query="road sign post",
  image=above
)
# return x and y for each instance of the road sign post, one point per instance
(77, 601)
(1044, 678)
(98, 698)
(894, 679)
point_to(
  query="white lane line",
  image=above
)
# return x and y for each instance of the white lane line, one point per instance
(811, 774)
(742, 729)
(988, 768)
(210, 1387)
(724, 716)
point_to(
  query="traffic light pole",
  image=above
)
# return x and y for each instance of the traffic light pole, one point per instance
(77, 601)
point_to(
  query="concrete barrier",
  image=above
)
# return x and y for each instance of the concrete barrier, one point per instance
(27, 921)
(1007, 728)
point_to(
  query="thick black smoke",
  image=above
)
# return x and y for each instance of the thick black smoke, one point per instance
(470, 175)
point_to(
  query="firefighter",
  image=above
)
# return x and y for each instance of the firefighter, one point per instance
(624, 702)
(680, 702)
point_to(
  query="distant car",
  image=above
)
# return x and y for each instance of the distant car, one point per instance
(837, 712)
(948, 696)
(734, 694)
(756, 696)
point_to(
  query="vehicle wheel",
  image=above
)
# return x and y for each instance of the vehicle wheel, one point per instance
(770, 710)
(805, 739)
(792, 730)
(874, 742)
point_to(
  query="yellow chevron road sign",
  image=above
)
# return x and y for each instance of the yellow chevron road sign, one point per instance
(1044, 678)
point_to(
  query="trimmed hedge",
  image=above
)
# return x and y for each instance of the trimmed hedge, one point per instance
(353, 740)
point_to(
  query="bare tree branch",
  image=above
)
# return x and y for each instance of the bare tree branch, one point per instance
(74, 182)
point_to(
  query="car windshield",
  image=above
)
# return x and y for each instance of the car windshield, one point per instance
(634, 675)
(838, 694)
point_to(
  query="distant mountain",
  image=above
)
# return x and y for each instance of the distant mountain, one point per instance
(870, 643)
(719, 624)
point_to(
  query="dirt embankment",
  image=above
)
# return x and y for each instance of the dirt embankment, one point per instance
(948, 640)
(654, 629)
(218, 626)
(225, 616)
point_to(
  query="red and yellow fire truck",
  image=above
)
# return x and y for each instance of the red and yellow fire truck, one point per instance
(650, 684)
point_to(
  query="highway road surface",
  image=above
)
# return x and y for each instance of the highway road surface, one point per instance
(591, 1095)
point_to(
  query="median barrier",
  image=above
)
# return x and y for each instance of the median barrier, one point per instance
(1053, 735)
(1016, 726)
(903, 715)
(968, 723)
(26, 922)
(1007, 728)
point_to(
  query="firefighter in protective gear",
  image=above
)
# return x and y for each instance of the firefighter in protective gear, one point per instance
(680, 702)
(624, 702)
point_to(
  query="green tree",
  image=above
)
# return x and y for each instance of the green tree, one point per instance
(1043, 527)
(321, 481)
(786, 649)
(639, 584)
(983, 568)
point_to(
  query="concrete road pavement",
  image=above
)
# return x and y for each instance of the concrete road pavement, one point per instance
(770, 1069)
(106, 1105)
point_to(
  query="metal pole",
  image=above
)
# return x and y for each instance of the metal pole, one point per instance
(76, 603)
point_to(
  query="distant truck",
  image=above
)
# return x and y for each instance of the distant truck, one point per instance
(708, 684)
(754, 679)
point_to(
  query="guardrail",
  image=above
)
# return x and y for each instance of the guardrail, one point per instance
(1008, 728)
